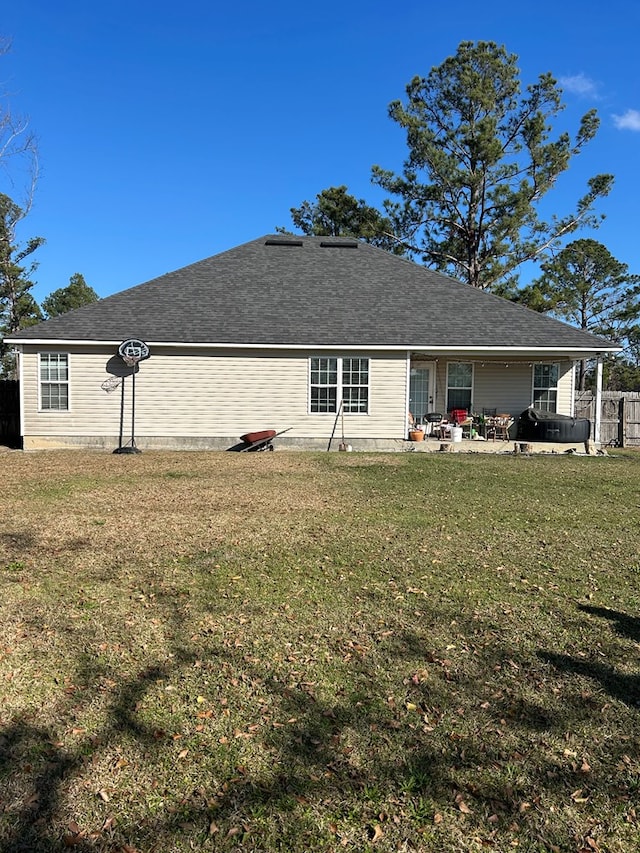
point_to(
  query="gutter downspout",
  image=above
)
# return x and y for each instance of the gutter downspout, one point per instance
(406, 396)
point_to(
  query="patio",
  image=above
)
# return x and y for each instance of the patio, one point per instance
(437, 445)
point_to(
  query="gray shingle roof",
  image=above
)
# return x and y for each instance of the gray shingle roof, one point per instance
(311, 291)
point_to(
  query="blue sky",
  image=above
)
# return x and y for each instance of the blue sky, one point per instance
(171, 132)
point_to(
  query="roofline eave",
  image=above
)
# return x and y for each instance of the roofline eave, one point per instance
(448, 349)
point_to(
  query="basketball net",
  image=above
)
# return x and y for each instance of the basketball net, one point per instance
(111, 383)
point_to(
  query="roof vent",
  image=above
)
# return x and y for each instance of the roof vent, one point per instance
(275, 241)
(339, 244)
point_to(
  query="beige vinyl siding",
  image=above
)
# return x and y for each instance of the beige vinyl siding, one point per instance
(200, 393)
(90, 407)
(506, 386)
(566, 380)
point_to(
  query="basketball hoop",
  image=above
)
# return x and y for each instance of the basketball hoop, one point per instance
(132, 351)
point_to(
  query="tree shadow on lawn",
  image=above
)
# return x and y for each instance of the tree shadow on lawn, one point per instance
(33, 773)
(329, 765)
(17, 541)
(623, 687)
(36, 769)
(625, 625)
(362, 757)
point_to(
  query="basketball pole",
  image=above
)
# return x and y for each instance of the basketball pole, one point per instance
(134, 449)
(121, 436)
(130, 447)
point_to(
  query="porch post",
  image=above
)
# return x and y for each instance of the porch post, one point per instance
(406, 396)
(598, 401)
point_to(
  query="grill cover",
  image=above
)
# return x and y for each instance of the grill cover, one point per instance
(538, 425)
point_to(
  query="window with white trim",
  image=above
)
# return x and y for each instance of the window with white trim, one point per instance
(333, 379)
(459, 385)
(545, 387)
(54, 381)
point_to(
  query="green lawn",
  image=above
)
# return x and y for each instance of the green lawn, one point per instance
(319, 652)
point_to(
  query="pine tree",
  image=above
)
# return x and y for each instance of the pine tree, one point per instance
(18, 308)
(76, 294)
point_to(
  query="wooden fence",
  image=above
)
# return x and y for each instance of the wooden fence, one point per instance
(619, 413)
(10, 413)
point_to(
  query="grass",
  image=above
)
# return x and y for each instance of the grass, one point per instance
(319, 652)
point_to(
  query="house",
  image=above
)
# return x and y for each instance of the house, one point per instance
(275, 333)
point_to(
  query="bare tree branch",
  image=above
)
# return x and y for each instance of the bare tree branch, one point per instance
(19, 165)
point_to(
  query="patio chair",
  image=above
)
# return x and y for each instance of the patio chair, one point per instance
(458, 415)
(500, 426)
(467, 426)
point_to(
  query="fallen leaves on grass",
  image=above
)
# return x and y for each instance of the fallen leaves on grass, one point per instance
(462, 806)
(376, 833)
(74, 836)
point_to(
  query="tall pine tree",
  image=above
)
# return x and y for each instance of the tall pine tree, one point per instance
(482, 155)
(76, 294)
(18, 308)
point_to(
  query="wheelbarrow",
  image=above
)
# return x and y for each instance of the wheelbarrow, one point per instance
(260, 440)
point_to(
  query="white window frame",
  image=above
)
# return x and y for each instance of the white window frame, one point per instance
(53, 379)
(548, 405)
(346, 371)
(469, 388)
